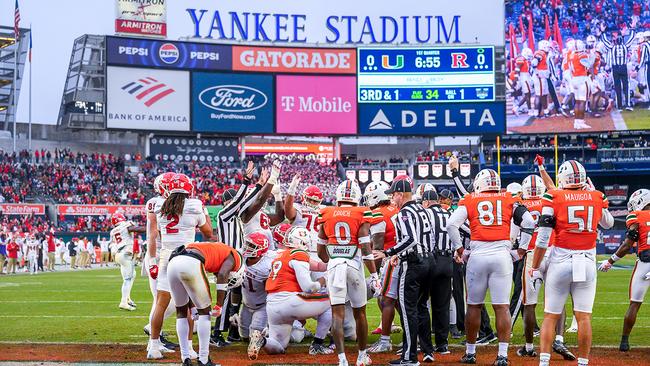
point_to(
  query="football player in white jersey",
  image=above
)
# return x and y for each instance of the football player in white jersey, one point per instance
(253, 216)
(159, 186)
(177, 219)
(122, 244)
(258, 266)
(304, 214)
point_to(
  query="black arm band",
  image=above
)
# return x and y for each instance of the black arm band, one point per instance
(518, 216)
(546, 221)
(632, 234)
(527, 230)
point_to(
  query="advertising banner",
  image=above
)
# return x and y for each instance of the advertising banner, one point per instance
(327, 103)
(147, 99)
(616, 194)
(351, 174)
(141, 17)
(181, 148)
(298, 60)
(167, 54)
(431, 119)
(389, 175)
(21, 209)
(363, 176)
(232, 103)
(100, 210)
(423, 170)
(436, 170)
(465, 169)
(375, 175)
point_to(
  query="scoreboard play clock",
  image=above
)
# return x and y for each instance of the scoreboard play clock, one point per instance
(426, 75)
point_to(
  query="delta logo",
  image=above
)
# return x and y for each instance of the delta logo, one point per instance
(148, 90)
(169, 53)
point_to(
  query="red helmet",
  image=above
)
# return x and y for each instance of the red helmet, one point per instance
(117, 218)
(404, 177)
(312, 196)
(180, 183)
(164, 183)
(279, 232)
(256, 245)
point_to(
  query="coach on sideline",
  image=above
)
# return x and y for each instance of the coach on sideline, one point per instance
(414, 254)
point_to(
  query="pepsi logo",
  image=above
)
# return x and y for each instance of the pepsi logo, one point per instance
(168, 53)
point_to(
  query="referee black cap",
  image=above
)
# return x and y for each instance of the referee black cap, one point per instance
(430, 195)
(401, 185)
(228, 194)
(447, 194)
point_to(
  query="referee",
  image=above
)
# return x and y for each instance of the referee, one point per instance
(440, 283)
(229, 231)
(416, 265)
(617, 59)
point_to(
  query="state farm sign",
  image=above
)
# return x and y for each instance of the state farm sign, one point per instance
(141, 17)
(22, 209)
(298, 60)
(100, 210)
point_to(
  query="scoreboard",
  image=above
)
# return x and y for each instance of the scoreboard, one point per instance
(426, 75)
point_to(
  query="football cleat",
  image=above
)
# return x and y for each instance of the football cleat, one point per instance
(209, 363)
(428, 358)
(193, 354)
(501, 361)
(443, 350)
(377, 330)
(187, 362)
(364, 361)
(132, 303)
(126, 306)
(561, 349)
(380, 347)
(523, 352)
(624, 346)
(395, 329)
(455, 332)
(486, 340)
(167, 343)
(319, 349)
(255, 345)
(154, 354)
(468, 358)
(218, 341)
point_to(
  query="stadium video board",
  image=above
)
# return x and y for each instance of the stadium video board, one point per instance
(552, 77)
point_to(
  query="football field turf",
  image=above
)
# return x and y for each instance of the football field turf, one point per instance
(81, 307)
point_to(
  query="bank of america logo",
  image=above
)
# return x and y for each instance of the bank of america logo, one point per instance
(148, 90)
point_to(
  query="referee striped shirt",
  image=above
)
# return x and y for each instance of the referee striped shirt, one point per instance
(229, 226)
(414, 230)
(618, 55)
(439, 217)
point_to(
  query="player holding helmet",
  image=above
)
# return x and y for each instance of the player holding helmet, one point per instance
(292, 296)
(573, 212)
(344, 243)
(188, 282)
(638, 231)
(490, 212)
(122, 243)
(304, 214)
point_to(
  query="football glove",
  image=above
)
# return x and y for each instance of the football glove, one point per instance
(153, 271)
(604, 266)
(375, 284)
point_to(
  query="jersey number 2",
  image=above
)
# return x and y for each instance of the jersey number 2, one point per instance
(173, 221)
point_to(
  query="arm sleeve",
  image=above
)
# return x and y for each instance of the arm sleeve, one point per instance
(544, 232)
(303, 275)
(407, 238)
(607, 220)
(460, 187)
(233, 207)
(250, 198)
(456, 220)
(378, 228)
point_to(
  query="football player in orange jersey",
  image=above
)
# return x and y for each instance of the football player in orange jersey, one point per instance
(541, 74)
(188, 282)
(384, 236)
(292, 296)
(638, 231)
(344, 229)
(580, 64)
(522, 72)
(573, 213)
(567, 56)
(490, 213)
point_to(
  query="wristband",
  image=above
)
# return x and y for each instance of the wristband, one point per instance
(614, 258)
(368, 257)
(374, 276)
(221, 287)
(322, 241)
(541, 167)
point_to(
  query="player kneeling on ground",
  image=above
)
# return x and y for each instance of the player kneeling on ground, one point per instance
(573, 212)
(186, 273)
(638, 230)
(292, 295)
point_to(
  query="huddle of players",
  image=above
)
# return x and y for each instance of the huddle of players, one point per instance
(297, 285)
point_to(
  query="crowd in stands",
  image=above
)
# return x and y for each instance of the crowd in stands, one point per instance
(444, 155)
(351, 161)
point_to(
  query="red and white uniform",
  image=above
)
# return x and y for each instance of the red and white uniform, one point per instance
(638, 284)
(122, 244)
(176, 231)
(384, 222)
(522, 68)
(307, 217)
(572, 259)
(260, 223)
(150, 207)
(292, 295)
(490, 263)
(542, 73)
(253, 313)
(187, 275)
(345, 272)
(580, 82)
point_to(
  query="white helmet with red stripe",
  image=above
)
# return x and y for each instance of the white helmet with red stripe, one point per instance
(514, 188)
(375, 193)
(571, 175)
(638, 200)
(487, 180)
(527, 53)
(533, 186)
(297, 238)
(348, 191)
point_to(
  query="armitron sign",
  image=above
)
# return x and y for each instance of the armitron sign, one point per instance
(141, 17)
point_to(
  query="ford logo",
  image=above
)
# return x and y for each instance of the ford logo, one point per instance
(233, 98)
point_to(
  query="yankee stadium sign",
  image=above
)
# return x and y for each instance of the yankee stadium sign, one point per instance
(346, 22)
